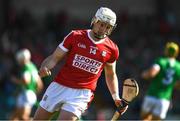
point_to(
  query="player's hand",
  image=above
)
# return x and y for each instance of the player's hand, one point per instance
(121, 105)
(44, 71)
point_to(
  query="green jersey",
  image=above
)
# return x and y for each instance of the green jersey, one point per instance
(31, 69)
(162, 85)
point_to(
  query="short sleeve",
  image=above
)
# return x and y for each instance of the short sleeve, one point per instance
(66, 44)
(115, 54)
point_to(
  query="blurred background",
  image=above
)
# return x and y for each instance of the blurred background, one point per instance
(143, 28)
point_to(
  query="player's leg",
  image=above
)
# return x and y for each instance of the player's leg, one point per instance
(21, 113)
(27, 105)
(146, 116)
(156, 118)
(26, 112)
(16, 114)
(75, 104)
(72, 102)
(49, 103)
(147, 106)
(42, 114)
(160, 109)
(66, 115)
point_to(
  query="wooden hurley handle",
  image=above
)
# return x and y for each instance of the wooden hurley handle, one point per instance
(115, 116)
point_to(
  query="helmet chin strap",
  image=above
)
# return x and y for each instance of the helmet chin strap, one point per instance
(99, 36)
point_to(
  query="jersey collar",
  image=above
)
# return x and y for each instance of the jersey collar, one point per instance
(95, 42)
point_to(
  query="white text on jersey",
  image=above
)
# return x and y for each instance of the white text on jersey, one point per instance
(86, 64)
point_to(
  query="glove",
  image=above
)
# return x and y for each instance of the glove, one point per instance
(122, 105)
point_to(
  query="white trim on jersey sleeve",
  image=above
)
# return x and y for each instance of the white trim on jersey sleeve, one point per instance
(61, 44)
(156, 66)
(62, 47)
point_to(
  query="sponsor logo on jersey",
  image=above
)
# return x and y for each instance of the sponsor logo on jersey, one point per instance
(87, 64)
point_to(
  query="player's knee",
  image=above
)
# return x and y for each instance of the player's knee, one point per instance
(156, 117)
(66, 115)
(146, 116)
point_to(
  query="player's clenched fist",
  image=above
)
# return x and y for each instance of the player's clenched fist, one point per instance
(122, 106)
(44, 71)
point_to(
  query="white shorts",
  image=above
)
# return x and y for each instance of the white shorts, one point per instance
(59, 97)
(158, 107)
(26, 98)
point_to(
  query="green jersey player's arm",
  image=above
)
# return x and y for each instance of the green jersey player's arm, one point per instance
(151, 72)
(39, 83)
(24, 80)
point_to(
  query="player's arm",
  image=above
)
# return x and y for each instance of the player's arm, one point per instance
(111, 79)
(24, 80)
(39, 83)
(151, 72)
(51, 61)
(112, 83)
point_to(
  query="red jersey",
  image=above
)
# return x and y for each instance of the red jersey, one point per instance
(85, 59)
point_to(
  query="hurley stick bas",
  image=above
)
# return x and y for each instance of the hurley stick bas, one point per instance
(129, 91)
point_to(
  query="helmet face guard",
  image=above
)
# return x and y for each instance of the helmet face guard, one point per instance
(95, 20)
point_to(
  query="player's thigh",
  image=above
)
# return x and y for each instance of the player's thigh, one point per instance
(26, 97)
(161, 108)
(25, 111)
(42, 114)
(78, 101)
(66, 115)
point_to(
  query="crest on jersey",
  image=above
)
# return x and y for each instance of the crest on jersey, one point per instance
(93, 50)
(104, 53)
